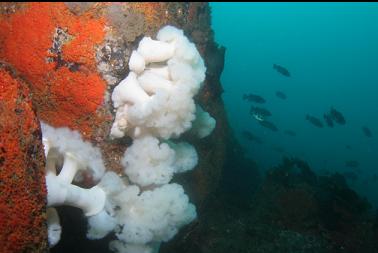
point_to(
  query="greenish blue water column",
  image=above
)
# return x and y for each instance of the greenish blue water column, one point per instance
(331, 50)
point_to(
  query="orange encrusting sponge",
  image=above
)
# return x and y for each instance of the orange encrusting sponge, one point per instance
(22, 177)
(63, 97)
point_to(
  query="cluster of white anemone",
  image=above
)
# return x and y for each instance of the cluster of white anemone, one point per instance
(156, 98)
(153, 104)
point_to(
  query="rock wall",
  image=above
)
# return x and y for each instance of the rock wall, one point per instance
(72, 55)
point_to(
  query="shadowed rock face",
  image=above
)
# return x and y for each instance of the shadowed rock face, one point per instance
(72, 55)
(22, 181)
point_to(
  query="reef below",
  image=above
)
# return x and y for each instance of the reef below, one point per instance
(291, 209)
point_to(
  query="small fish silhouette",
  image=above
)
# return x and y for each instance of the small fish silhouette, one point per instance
(281, 70)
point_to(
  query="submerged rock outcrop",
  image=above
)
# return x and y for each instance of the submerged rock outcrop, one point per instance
(291, 210)
(71, 56)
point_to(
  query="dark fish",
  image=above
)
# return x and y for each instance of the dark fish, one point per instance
(348, 147)
(281, 95)
(269, 125)
(254, 98)
(367, 131)
(350, 175)
(281, 70)
(251, 137)
(337, 116)
(290, 133)
(328, 119)
(315, 121)
(352, 164)
(259, 111)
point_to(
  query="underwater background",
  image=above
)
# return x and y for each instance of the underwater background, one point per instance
(331, 52)
(285, 159)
